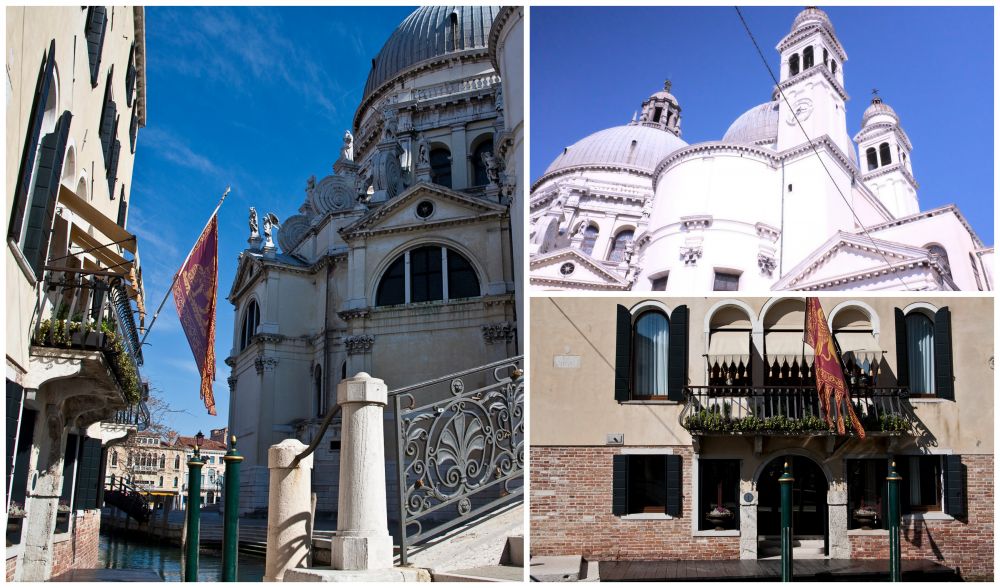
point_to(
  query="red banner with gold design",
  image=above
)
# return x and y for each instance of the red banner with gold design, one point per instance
(829, 375)
(195, 292)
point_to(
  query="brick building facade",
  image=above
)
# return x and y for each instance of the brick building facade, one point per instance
(684, 465)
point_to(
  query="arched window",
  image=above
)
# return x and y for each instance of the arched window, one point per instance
(860, 351)
(175, 481)
(440, 159)
(788, 361)
(833, 66)
(942, 257)
(318, 390)
(589, 239)
(479, 175)
(885, 154)
(807, 57)
(920, 352)
(177, 462)
(251, 319)
(427, 273)
(114, 458)
(729, 347)
(163, 463)
(826, 56)
(650, 334)
(793, 65)
(343, 370)
(872, 158)
(456, 33)
(621, 243)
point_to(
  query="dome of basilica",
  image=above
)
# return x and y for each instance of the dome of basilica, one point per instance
(757, 126)
(430, 32)
(628, 146)
(881, 110)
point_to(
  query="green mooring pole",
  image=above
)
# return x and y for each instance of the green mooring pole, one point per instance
(785, 481)
(231, 521)
(895, 558)
(193, 517)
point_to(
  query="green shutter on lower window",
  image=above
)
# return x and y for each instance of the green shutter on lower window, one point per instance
(623, 354)
(619, 485)
(954, 486)
(674, 471)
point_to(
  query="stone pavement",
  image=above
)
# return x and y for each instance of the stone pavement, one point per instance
(106, 575)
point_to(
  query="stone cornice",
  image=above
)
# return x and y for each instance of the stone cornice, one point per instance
(767, 156)
(875, 129)
(871, 274)
(895, 167)
(567, 253)
(804, 31)
(928, 214)
(822, 70)
(613, 167)
(493, 45)
(575, 285)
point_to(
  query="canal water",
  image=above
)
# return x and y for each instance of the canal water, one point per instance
(120, 552)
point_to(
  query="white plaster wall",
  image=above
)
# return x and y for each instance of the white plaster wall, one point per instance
(945, 230)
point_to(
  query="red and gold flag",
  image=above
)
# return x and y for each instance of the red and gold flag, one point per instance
(829, 375)
(195, 291)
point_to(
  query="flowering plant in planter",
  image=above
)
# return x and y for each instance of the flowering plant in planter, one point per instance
(16, 511)
(865, 511)
(720, 512)
(63, 506)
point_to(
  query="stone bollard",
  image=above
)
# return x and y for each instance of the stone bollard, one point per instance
(289, 496)
(362, 541)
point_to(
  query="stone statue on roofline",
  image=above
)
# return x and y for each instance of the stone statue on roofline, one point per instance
(347, 150)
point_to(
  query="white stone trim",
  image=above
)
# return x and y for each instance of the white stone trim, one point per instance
(645, 305)
(646, 451)
(927, 306)
(872, 315)
(646, 516)
(713, 533)
(927, 516)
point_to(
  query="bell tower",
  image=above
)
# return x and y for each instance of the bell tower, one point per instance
(884, 155)
(812, 80)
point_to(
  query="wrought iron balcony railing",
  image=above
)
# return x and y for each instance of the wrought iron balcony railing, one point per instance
(87, 310)
(790, 410)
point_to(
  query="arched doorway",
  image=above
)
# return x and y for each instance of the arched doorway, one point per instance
(809, 505)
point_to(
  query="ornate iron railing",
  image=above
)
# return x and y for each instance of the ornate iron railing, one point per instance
(82, 309)
(459, 448)
(790, 410)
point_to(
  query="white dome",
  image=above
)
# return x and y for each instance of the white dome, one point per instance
(628, 147)
(879, 112)
(757, 126)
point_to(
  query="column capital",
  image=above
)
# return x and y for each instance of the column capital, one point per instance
(362, 388)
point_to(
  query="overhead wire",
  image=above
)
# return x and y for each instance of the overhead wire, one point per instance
(816, 151)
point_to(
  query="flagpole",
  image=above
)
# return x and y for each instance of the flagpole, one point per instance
(177, 275)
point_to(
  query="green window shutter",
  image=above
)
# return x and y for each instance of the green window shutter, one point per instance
(15, 395)
(107, 130)
(674, 488)
(69, 462)
(97, 21)
(42, 89)
(22, 455)
(902, 357)
(88, 477)
(677, 354)
(43, 201)
(944, 372)
(113, 168)
(619, 485)
(954, 486)
(623, 355)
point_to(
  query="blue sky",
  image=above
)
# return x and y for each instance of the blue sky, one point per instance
(591, 68)
(254, 97)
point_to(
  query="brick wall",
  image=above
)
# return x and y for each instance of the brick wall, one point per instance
(571, 512)
(966, 545)
(11, 567)
(80, 551)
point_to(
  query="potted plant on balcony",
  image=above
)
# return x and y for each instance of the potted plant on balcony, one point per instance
(865, 516)
(15, 520)
(720, 516)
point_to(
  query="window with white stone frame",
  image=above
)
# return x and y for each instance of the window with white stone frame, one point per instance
(251, 320)
(866, 488)
(718, 494)
(620, 245)
(425, 274)
(726, 281)
(645, 485)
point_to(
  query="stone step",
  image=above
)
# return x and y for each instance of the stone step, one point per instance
(481, 574)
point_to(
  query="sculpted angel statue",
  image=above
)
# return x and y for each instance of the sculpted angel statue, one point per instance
(422, 155)
(347, 150)
(270, 222)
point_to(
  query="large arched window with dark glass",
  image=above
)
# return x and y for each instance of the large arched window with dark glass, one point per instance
(479, 172)
(622, 241)
(650, 334)
(251, 319)
(590, 234)
(885, 154)
(807, 57)
(441, 166)
(425, 274)
(872, 158)
(793, 65)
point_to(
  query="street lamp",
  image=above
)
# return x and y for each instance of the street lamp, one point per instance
(198, 440)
